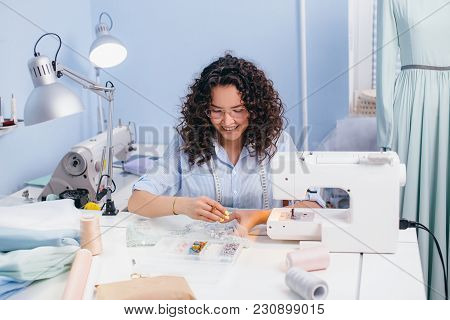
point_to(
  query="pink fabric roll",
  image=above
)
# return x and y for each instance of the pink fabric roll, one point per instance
(310, 259)
(78, 275)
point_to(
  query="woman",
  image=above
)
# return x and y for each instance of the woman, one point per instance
(231, 126)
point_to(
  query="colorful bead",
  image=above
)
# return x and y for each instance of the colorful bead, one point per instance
(197, 247)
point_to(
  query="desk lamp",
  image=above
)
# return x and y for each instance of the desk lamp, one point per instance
(106, 52)
(50, 100)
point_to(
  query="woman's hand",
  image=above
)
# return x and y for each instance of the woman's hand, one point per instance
(201, 208)
(250, 218)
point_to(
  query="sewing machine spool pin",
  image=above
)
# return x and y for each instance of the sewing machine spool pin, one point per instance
(302, 214)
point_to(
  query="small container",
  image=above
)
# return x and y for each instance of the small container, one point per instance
(203, 250)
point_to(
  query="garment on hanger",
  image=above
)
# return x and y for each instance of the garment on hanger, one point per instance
(413, 116)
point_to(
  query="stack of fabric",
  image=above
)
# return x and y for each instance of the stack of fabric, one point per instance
(37, 241)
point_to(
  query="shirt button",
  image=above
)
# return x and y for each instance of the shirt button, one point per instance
(235, 192)
(234, 173)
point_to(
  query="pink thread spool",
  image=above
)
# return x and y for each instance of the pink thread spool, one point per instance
(310, 259)
(91, 237)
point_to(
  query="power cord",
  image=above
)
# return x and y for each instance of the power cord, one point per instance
(54, 62)
(109, 17)
(100, 194)
(406, 224)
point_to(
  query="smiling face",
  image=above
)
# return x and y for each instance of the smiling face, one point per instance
(228, 114)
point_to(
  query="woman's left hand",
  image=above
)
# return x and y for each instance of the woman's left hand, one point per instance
(250, 218)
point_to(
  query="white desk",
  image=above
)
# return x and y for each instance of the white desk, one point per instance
(259, 271)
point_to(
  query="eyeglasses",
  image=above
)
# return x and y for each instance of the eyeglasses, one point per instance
(237, 113)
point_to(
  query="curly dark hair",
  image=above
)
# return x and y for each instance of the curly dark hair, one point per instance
(266, 110)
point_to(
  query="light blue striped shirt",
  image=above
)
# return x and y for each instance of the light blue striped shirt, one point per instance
(241, 183)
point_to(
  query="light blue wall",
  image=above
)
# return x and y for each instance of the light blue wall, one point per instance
(30, 152)
(327, 38)
(169, 42)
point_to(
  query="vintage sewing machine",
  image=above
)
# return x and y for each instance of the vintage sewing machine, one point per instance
(372, 180)
(83, 166)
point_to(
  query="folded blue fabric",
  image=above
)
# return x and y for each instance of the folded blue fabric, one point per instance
(38, 263)
(10, 286)
(21, 239)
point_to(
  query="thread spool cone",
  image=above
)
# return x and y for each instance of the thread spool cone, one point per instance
(90, 234)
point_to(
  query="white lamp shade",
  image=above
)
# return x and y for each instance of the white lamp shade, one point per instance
(107, 51)
(49, 102)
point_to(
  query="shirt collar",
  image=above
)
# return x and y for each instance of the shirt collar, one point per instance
(223, 156)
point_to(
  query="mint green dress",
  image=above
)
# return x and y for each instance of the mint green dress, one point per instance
(413, 116)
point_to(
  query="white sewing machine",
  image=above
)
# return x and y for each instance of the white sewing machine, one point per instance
(83, 165)
(372, 180)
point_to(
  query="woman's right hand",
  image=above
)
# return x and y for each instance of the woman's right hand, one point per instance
(200, 208)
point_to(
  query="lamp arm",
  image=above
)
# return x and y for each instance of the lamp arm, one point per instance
(104, 92)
